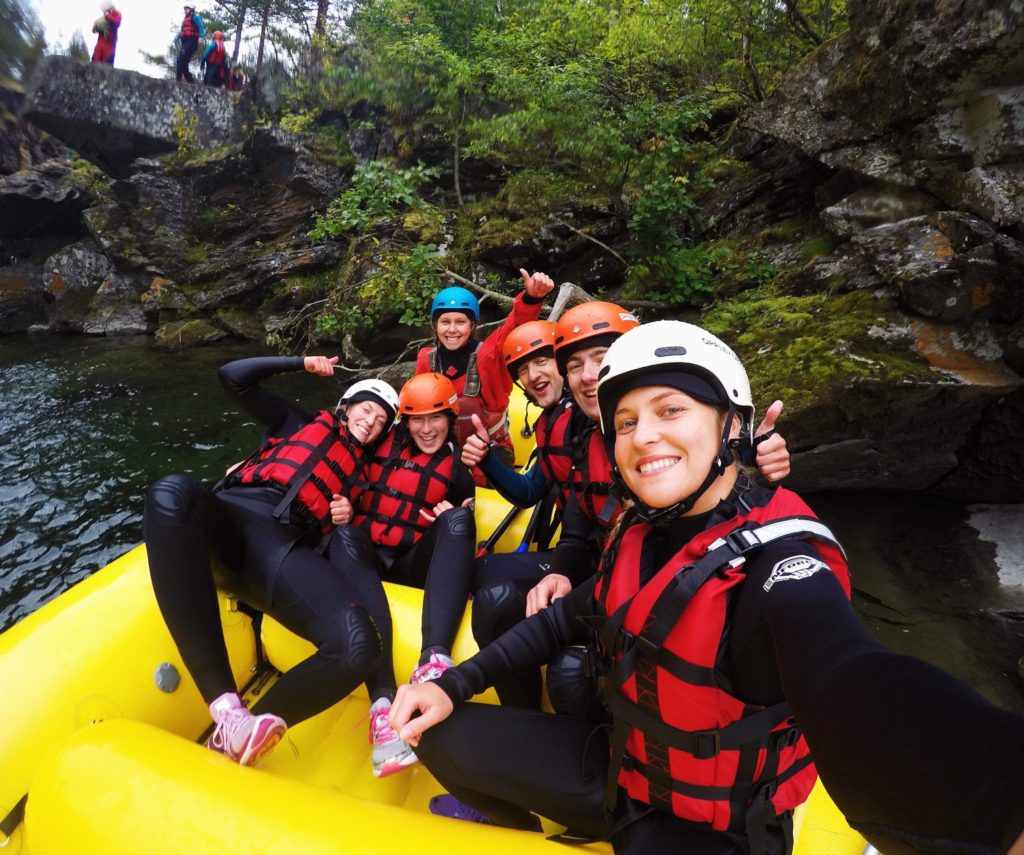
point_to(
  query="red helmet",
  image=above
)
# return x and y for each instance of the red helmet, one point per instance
(532, 339)
(219, 36)
(428, 393)
(590, 324)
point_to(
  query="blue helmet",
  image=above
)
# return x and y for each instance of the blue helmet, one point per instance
(455, 299)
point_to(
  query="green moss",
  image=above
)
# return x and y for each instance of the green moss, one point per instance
(815, 247)
(201, 157)
(806, 350)
(501, 231)
(529, 191)
(196, 254)
(424, 226)
(88, 178)
(720, 169)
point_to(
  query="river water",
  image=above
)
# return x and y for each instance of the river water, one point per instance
(87, 424)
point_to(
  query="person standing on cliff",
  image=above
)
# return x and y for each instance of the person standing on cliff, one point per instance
(106, 27)
(214, 63)
(192, 30)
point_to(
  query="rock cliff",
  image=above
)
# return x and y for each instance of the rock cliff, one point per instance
(881, 182)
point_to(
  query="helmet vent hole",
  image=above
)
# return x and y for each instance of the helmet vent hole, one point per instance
(675, 350)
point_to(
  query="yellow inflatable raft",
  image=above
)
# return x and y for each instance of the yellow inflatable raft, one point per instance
(100, 752)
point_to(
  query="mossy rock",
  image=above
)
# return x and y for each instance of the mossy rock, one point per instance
(809, 350)
(191, 332)
(242, 324)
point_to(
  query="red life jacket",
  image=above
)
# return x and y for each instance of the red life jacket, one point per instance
(188, 28)
(314, 463)
(471, 402)
(592, 477)
(553, 435)
(400, 481)
(682, 742)
(218, 55)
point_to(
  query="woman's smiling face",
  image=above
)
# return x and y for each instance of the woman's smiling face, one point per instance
(429, 432)
(453, 329)
(665, 444)
(365, 420)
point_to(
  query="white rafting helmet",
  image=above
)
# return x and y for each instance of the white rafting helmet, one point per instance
(376, 390)
(713, 373)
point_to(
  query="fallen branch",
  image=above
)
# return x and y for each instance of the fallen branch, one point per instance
(591, 238)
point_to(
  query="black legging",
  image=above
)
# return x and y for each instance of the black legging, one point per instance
(440, 563)
(506, 762)
(188, 47)
(267, 565)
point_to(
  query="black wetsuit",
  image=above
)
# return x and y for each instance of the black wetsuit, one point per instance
(273, 566)
(915, 760)
(440, 563)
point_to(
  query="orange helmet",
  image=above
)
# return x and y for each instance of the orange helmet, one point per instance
(532, 339)
(428, 393)
(591, 324)
(219, 36)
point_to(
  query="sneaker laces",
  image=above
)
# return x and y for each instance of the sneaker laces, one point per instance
(433, 668)
(381, 733)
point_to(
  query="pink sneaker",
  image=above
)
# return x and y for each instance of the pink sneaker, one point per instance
(240, 735)
(433, 668)
(390, 754)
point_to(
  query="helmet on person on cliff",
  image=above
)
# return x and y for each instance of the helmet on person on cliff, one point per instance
(526, 342)
(106, 5)
(428, 393)
(591, 324)
(218, 36)
(697, 363)
(376, 391)
(455, 299)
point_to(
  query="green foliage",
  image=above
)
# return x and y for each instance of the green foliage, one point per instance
(185, 126)
(402, 283)
(21, 39)
(379, 190)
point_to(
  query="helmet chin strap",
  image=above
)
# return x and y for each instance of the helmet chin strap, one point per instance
(722, 461)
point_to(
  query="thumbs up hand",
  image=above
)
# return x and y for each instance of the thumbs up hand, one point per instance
(477, 445)
(772, 455)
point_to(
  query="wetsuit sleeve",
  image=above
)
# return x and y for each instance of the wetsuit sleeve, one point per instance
(241, 379)
(206, 53)
(907, 752)
(529, 644)
(578, 549)
(462, 486)
(200, 26)
(522, 489)
(423, 360)
(495, 381)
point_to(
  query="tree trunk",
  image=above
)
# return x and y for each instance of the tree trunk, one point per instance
(748, 53)
(238, 33)
(320, 28)
(263, 37)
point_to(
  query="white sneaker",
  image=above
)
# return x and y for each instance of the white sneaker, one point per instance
(240, 735)
(390, 754)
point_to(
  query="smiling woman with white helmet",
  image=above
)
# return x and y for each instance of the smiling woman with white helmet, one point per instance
(263, 525)
(727, 655)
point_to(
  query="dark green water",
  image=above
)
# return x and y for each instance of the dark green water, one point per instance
(87, 424)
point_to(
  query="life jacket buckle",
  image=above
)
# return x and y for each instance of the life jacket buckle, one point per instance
(706, 744)
(785, 738)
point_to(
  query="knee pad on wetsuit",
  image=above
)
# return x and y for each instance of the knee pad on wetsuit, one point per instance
(570, 688)
(349, 543)
(355, 642)
(497, 608)
(458, 522)
(171, 500)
